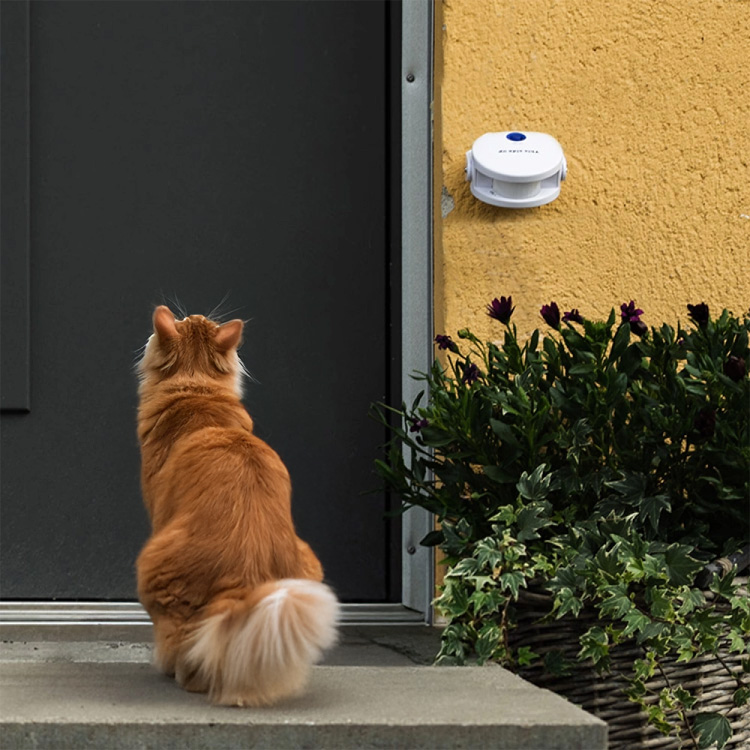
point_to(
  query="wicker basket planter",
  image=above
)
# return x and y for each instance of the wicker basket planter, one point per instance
(602, 695)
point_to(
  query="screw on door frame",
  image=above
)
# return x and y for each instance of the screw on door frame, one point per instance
(411, 549)
(410, 77)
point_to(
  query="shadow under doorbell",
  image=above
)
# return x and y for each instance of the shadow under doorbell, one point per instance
(516, 169)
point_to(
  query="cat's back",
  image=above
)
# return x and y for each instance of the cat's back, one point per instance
(201, 451)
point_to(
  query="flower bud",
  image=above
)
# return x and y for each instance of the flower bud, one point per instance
(638, 327)
(734, 368)
(699, 313)
(551, 315)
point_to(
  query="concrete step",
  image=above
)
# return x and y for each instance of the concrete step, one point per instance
(373, 692)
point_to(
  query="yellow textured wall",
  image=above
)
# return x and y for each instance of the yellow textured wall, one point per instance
(650, 100)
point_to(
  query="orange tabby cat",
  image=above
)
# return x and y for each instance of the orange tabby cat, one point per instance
(236, 598)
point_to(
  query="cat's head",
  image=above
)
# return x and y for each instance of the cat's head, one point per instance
(195, 347)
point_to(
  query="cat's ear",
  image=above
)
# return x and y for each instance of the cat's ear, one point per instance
(164, 323)
(229, 334)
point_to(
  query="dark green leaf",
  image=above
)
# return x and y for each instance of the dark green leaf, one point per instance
(530, 521)
(681, 568)
(513, 581)
(632, 487)
(686, 698)
(712, 728)
(525, 656)
(619, 343)
(454, 601)
(433, 538)
(594, 645)
(567, 602)
(556, 664)
(618, 603)
(723, 585)
(487, 642)
(652, 507)
(503, 431)
(496, 474)
(534, 486)
(690, 600)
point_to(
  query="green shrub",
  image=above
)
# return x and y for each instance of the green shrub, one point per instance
(605, 463)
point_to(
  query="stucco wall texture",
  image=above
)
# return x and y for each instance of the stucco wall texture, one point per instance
(651, 104)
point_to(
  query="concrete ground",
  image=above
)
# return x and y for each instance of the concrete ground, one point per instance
(76, 687)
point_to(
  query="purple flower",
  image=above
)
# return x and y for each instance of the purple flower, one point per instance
(417, 424)
(734, 368)
(705, 422)
(470, 373)
(446, 342)
(699, 313)
(573, 316)
(630, 313)
(501, 309)
(551, 315)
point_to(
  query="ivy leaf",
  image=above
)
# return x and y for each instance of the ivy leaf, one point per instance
(565, 578)
(712, 727)
(681, 568)
(487, 642)
(658, 718)
(556, 664)
(466, 567)
(632, 487)
(594, 645)
(618, 604)
(636, 622)
(487, 555)
(534, 486)
(645, 668)
(505, 514)
(723, 586)
(486, 603)
(608, 562)
(567, 602)
(513, 581)
(690, 600)
(529, 521)
(480, 581)
(651, 507)
(454, 601)
(661, 604)
(686, 698)
(737, 642)
(526, 656)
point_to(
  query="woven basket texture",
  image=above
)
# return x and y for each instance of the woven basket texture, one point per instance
(602, 696)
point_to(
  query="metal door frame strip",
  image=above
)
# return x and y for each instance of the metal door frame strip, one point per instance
(416, 265)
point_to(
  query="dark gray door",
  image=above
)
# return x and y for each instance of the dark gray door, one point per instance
(195, 150)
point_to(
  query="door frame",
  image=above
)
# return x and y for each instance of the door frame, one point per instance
(416, 309)
(417, 44)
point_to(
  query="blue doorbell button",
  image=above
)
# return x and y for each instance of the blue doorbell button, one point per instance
(516, 137)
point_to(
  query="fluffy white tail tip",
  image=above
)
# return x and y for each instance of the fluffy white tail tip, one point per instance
(263, 654)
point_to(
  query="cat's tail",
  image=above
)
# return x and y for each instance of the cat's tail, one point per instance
(257, 648)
